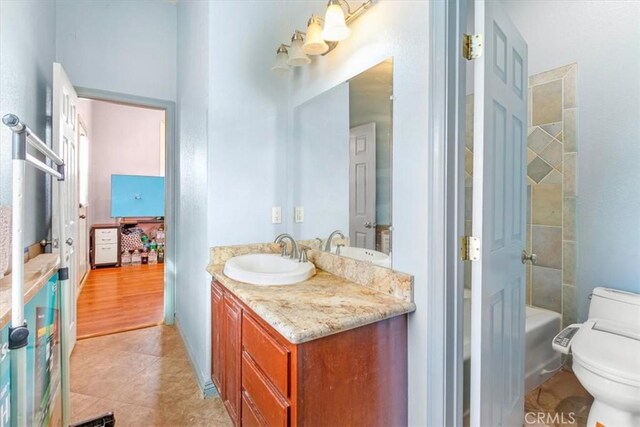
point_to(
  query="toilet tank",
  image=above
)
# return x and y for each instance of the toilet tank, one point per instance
(612, 304)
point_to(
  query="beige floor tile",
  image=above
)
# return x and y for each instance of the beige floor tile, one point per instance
(561, 394)
(144, 377)
(80, 403)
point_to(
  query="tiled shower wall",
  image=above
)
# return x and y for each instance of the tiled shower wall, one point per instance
(551, 170)
(552, 192)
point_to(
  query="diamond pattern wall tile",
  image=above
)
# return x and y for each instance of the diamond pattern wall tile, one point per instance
(538, 169)
(554, 177)
(538, 140)
(552, 129)
(553, 153)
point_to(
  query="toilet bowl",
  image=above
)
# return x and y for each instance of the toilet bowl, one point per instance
(606, 358)
(606, 361)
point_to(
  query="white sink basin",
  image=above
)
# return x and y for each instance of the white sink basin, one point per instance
(268, 269)
(368, 255)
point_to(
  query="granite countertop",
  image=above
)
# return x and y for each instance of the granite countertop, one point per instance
(37, 272)
(322, 305)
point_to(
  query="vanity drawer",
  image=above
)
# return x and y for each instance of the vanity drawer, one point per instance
(106, 254)
(250, 416)
(106, 235)
(268, 403)
(270, 356)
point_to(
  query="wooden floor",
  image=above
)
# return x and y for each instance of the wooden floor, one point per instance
(120, 299)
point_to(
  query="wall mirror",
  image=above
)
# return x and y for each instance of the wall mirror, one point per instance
(341, 163)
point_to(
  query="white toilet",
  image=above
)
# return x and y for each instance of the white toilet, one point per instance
(606, 358)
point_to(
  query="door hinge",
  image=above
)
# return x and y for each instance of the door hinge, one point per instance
(471, 46)
(470, 248)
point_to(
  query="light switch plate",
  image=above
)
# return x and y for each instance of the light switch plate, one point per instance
(276, 215)
(299, 214)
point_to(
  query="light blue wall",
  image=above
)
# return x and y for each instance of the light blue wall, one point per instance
(192, 290)
(320, 163)
(232, 136)
(120, 46)
(27, 51)
(247, 147)
(232, 146)
(602, 37)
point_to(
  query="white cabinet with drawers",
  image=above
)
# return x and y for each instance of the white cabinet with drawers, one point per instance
(105, 245)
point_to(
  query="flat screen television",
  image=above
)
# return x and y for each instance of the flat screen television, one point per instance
(137, 196)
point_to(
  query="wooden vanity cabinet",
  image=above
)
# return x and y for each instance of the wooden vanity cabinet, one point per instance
(225, 357)
(353, 378)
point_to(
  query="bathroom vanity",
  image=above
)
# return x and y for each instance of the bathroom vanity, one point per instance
(325, 351)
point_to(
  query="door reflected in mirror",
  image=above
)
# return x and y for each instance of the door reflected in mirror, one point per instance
(341, 163)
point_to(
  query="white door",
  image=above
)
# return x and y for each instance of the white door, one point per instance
(362, 186)
(65, 122)
(499, 199)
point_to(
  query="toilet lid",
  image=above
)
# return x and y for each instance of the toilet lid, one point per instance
(609, 349)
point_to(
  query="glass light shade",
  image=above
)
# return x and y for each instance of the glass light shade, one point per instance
(297, 57)
(314, 44)
(281, 62)
(335, 29)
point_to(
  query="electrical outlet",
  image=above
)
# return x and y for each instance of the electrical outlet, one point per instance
(299, 214)
(276, 215)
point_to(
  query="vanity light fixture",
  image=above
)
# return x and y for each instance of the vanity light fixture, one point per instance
(282, 56)
(314, 44)
(297, 57)
(335, 27)
(322, 35)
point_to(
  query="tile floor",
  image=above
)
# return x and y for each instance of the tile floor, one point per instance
(560, 398)
(144, 377)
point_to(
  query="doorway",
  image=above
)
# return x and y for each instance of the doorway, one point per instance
(147, 296)
(576, 234)
(125, 203)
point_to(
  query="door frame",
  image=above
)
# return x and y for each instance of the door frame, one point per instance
(171, 174)
(85, 249)
(447, 84)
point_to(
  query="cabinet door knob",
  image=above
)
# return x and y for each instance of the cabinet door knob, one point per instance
(69, 241)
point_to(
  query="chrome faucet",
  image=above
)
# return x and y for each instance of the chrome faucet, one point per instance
(319, 240)
(327, 247)
(294, 246)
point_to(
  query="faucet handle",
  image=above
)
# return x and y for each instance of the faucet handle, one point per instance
(303, 255)
(338, 246)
